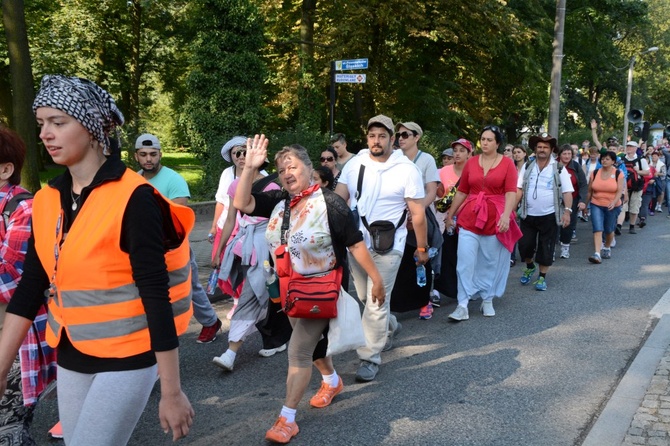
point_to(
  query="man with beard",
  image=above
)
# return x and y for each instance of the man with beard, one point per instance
(390, 184)
(541, 185)
(173, 186)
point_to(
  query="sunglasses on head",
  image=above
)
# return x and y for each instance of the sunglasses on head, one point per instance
(493, 128)
(404, 135)
(327, 158)
(240, 153)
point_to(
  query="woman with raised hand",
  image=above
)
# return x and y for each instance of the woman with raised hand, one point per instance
(113, 257)
(321, 228)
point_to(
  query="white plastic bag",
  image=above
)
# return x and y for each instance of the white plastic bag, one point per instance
(345, 332)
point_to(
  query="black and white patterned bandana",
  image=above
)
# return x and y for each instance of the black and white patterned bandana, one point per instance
(85, 101)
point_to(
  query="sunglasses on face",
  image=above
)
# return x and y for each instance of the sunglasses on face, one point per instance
(404, 135)
(240, 153)
(327, 159)
(508, 150)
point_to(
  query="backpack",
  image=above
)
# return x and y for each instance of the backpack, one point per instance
(634, 181)
(12, 204)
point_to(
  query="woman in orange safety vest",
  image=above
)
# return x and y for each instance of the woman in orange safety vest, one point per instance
(113, 257)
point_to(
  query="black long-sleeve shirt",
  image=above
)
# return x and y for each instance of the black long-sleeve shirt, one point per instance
(143, 235)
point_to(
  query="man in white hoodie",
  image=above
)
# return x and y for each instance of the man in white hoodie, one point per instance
(391, 185)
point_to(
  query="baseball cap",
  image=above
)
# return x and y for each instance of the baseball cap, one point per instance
(382, 120)
(632, 143)
(448, 152)
(147, 141)
(464, 142)
(413, 126)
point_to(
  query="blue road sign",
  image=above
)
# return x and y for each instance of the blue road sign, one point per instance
(352, 64)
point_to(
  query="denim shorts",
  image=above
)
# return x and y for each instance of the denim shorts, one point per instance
(603, 219)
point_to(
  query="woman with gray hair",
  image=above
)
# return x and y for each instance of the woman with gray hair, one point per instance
(113, 258)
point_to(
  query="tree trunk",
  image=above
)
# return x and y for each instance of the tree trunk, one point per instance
(23, 93)
(134, 66)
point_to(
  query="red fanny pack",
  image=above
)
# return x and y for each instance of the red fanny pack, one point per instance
(313, 297)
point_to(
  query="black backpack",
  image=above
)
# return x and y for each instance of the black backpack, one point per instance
(12, 204)
(634, 182)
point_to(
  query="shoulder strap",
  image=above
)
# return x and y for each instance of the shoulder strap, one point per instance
(402, 219)
(418, 154)
(261, 184)
(359, 186)
(286, 220)
(12, 204)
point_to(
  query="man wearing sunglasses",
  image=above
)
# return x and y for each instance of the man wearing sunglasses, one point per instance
(406, 294)
(173, 186)
(339, 142)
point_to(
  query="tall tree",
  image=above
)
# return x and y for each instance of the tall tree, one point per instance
(23, 94)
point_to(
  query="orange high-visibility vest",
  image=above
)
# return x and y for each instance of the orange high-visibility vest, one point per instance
(96, 300)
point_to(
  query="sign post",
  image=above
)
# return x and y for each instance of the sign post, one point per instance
(344, 78)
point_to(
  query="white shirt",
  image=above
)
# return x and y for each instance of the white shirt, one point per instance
(540, 188)
(384, 190)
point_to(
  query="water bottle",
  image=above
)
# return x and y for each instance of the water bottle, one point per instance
(269, 272)
(432, 252)
(451, 229)
(211, 283)
(421, 275)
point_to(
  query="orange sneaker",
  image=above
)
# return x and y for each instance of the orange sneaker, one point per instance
(282, 431)
(326, 394)
(56, 431)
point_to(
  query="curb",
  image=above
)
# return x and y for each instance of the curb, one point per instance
(612, 425)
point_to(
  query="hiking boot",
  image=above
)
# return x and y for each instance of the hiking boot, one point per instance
(326, 394)
(460, 314)
(565, 251)
(595, 258)
(632, 231)
(282, 431)
(540, 284)
(267, 352)
(606, 253)
(208, 334)
(487, 308)
(528, 275)
(367, 371)
(391, 335)
(426, 312)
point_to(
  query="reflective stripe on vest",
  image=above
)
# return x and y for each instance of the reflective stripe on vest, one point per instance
(96, 300)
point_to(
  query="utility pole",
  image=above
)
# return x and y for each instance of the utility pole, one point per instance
(557, 66)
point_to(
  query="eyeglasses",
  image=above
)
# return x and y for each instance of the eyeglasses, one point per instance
(327, 159)
(240, 153)
(404, 135)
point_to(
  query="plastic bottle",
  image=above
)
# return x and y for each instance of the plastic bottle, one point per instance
(432, 252)
(421, 275)
(270, 272)
(211, 283)
(451, 229)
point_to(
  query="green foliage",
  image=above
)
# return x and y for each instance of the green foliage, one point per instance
(224, 83)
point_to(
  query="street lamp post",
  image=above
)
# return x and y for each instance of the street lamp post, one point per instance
(630, 90)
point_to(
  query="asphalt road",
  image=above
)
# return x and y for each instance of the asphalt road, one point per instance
(538, 373)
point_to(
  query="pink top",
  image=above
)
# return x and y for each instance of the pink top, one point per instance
(448, 177)
(475, 214)
(604, 191)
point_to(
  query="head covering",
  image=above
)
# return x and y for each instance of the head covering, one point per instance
(413, 126)
(382, 120)
(544, 137)
(632, 143)
(464, 142)
(147, 141)
(240, 141)
(85, 101)
(448, 152)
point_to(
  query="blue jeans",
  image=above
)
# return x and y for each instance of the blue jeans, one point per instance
(603, 219)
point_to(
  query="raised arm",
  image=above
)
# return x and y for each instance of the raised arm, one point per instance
(257, 152)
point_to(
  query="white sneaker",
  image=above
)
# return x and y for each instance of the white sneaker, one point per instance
(487, 308)
(460, 314)
(224, 361)
(565, 251)
(267, 352)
